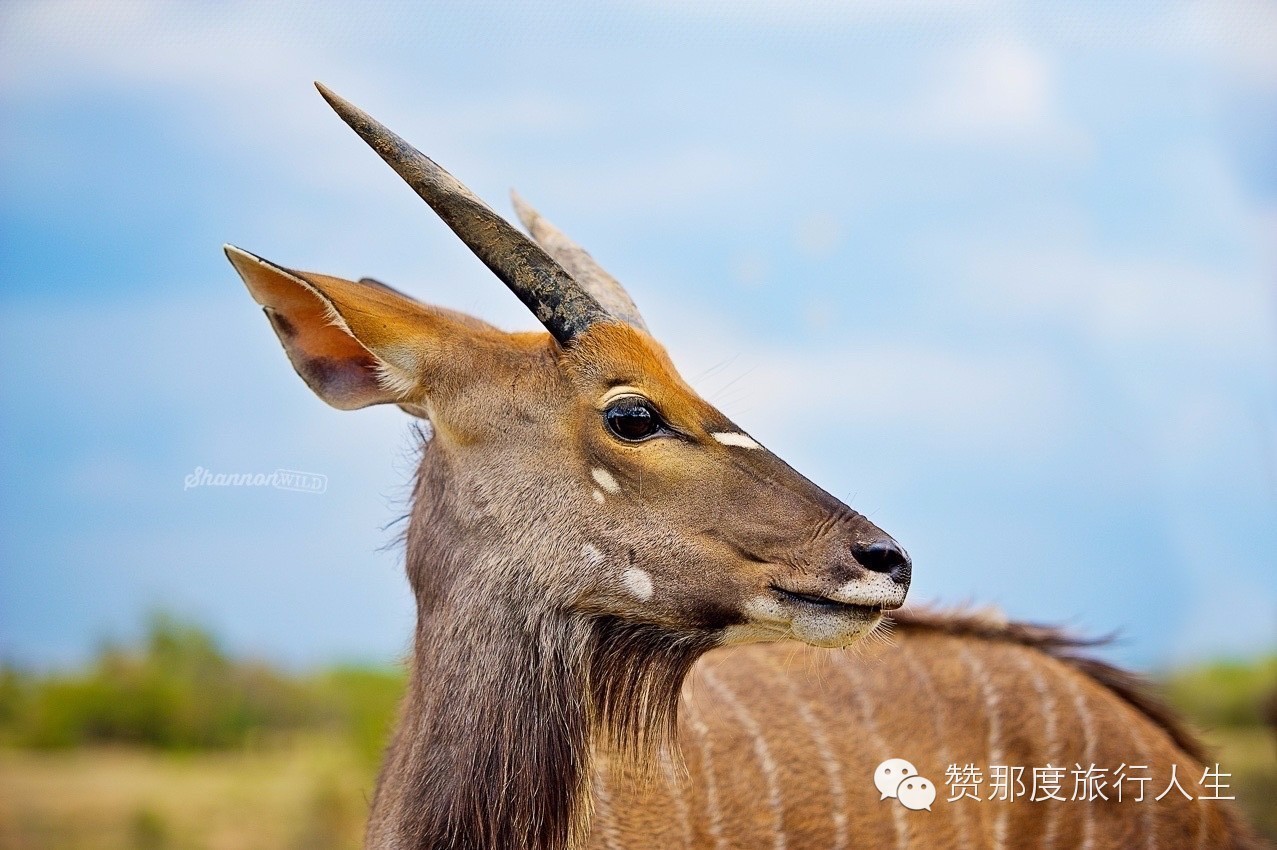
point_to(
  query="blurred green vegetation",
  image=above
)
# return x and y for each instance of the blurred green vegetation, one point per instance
(1234, 704)
(170, 742)
(1225, 694)
(179, 690)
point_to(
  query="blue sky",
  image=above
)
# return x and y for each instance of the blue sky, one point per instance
(1000, 275)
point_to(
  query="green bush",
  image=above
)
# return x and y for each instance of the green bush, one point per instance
(179, 690)
(1225, 694)
(361, 702)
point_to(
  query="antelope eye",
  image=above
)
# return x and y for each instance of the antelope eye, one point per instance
(632, 419)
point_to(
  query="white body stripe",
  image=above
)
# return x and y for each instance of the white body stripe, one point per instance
(603, 804)
(996, 756)
(880, 745)
(680, 803)
(1050, 738)
(714, 816)
(919, 671)
(1088, 743)
(833, 771)
(1140, 748)
(770, 774)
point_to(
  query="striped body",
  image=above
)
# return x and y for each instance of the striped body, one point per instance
(781, 742)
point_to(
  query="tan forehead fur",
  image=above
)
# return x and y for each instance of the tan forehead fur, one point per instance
(612, 354)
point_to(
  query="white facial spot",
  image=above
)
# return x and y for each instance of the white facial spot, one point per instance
(599, 497)
(735, 438)
(593, 557)
(605, 479)
(887, 776)
(638, 583)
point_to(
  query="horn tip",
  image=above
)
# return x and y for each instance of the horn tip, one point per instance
(344, 108)
(523, 209)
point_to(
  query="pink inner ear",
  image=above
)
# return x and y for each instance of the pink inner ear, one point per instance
(331, 362)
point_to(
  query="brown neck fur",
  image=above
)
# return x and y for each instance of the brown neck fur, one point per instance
(508, 695)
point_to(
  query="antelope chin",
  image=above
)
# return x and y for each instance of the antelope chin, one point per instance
(834, 631)
(815, 620)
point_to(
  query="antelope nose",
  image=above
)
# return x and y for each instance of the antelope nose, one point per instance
(884, 555)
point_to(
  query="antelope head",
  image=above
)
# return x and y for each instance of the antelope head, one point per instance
(586, 471)
(584, 525)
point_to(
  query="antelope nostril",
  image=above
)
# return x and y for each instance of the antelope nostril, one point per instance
(883, 555)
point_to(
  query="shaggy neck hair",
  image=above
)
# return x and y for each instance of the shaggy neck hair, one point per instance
(508, 696)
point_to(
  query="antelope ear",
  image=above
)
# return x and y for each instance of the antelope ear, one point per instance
(354, 344)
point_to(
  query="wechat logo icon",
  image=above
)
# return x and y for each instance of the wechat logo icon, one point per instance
(900, 779)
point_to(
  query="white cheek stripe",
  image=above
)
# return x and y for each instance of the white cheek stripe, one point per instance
(638, 582)
(599, 497)
(605, 479)
(591, 554)
(735, 438)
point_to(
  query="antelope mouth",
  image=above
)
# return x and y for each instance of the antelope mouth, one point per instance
(813, 618)
(833, 606)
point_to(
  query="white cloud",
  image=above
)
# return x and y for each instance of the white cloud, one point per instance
(818, 235)
(826, 13)
(1153, 303)
(995, 89)
(998, 92)
(236, 77)
(949, 397)
(1237, 37)
(658, 182)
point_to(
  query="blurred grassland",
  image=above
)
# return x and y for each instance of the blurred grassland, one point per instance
(171, 743)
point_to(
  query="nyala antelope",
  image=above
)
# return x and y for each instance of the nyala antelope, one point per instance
(631, 614)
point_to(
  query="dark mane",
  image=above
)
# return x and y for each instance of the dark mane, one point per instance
(635, 675)
(1069, 648)
(502, 750)
(508, 697)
